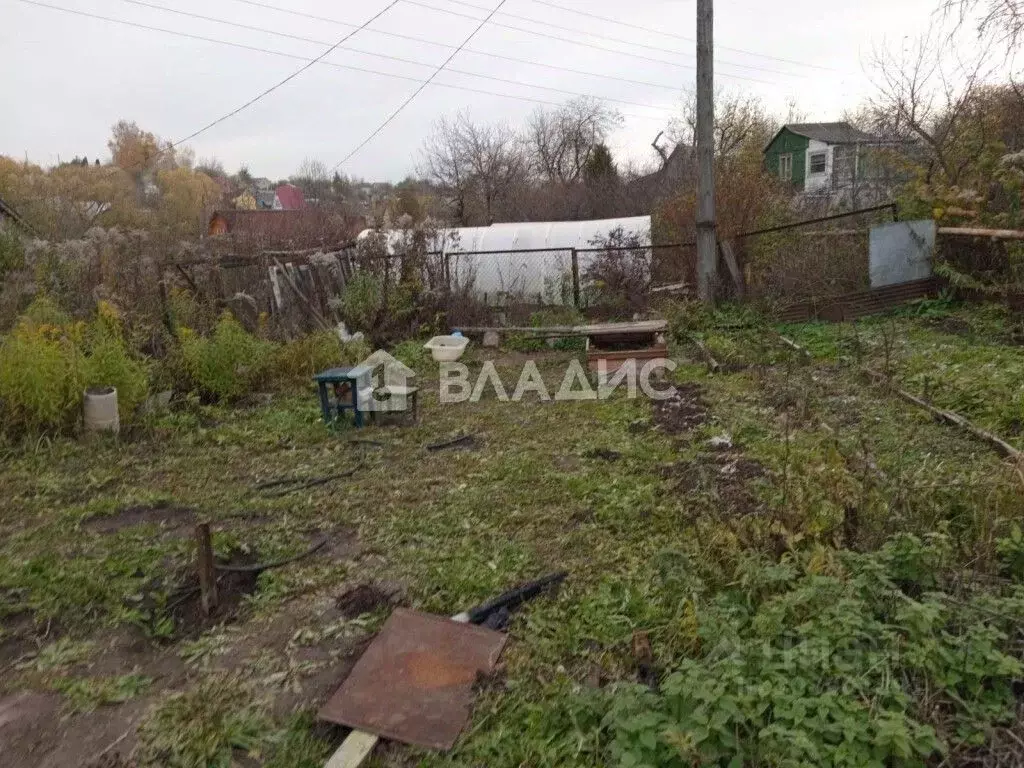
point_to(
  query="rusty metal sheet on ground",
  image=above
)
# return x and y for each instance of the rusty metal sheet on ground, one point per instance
(415, 682)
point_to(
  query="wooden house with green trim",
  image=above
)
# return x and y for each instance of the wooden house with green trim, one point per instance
(821, 158)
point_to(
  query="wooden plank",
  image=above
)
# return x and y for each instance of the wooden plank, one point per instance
(793, 345)
(994, 234)
(598, 329)
(324, 325)
(729, 256)
(713, 365)
(1000, 445)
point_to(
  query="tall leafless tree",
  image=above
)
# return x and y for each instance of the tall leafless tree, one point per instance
(741, 120)
(923, 97)
(1001, 21)
(478, 165)
(314, 179)
(560, 142)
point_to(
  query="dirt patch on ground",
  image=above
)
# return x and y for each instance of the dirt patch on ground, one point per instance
(366, 598)
(185, 607)
(173, 519)
(26, 720)
(954, 326)
(683, 412)
(17, 638)
(567, 463)
(604, 454)
(726, 474)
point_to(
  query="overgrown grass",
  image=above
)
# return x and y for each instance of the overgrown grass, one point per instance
(852, 600)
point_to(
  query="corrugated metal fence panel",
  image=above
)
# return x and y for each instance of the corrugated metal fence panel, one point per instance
(850, 306)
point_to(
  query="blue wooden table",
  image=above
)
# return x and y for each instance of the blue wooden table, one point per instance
(339, 392)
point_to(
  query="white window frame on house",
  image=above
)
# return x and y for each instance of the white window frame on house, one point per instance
(820, 157)
(786, 166)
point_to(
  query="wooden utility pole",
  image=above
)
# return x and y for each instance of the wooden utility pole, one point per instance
(707, 239)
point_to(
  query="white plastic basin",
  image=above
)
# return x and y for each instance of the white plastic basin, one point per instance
(447, 349)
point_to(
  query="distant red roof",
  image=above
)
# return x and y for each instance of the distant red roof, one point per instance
(290, 197)
(308, 228)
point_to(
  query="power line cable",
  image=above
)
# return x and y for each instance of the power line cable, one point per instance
(351, 67)
(597, 36)
(286, 80)
(314, 41)
(427, 41)
(652, 30)
(419, 90)
(308, 63)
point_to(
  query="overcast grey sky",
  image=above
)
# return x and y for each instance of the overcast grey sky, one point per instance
(68, 78)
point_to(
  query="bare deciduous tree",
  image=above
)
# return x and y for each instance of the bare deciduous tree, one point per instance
(923, 98)
(999, 20)
(478, 165)
(561, 141)
(740, 121)
(315, 180)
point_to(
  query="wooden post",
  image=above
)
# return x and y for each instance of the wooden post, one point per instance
(729, 256)
(707, 240)
(207, 574)
(576, 299)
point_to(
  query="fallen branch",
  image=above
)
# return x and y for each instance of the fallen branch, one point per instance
(1000, 445)
(713, 365)
(110, 747)
(794, 346)
(303, 483)
(462, 440)
(371, 443)
(261, 567)
(994, 234)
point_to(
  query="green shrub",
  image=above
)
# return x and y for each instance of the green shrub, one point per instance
(296, 362)
(109, 364)
(228, 364)
(380, 308)
(413, 354)
(45, 311)
(362, 300)
(12, 252)
(41, 378)
(1011, 553)
(824, 658)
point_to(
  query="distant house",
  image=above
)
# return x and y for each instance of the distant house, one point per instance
(287, 229)
(677, 170)
(288, 197)
(823, 158)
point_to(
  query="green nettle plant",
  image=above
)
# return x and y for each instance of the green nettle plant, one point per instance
(1011, 553)
(820, 662)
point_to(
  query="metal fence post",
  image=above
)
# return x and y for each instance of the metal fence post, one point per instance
(576, 299)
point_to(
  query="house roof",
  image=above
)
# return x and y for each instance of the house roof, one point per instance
(290, 197)
(309, 227)
(676, 167)
(830, 133)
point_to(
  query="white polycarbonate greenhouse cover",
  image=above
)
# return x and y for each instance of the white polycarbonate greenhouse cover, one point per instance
(506, 269)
